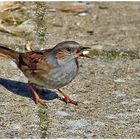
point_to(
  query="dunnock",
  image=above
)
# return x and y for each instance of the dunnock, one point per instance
(49, 68)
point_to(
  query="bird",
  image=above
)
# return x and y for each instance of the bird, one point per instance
(51, 68)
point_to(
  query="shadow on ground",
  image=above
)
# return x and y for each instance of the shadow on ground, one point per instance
(23, 89)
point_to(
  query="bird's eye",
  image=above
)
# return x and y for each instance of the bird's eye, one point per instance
(69, 49)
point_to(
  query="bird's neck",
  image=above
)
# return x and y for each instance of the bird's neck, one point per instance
(52, 59)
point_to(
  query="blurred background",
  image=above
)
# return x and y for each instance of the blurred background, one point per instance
(108, 88)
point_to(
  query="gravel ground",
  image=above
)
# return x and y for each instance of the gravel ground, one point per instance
(107, 89)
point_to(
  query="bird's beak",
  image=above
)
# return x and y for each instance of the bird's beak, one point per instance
(83, 51)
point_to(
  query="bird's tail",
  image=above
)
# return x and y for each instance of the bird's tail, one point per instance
(6, 52)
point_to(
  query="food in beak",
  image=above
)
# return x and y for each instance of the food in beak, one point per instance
(86, 52)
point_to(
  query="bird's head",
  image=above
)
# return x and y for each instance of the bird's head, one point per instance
(69, 50)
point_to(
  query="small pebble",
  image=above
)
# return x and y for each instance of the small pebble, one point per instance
(119, 81)
(61, 113)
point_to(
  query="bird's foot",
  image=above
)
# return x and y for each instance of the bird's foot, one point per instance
(68, 100)
(39, 101)
(37, 98)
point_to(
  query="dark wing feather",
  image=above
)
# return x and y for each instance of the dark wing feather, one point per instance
(34, 61)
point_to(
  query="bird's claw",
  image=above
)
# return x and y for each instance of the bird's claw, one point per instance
(39, 101)
(68, 101)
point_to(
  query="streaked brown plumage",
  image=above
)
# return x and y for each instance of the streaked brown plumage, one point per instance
(49, 68)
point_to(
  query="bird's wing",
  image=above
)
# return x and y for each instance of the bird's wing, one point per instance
(33, 61)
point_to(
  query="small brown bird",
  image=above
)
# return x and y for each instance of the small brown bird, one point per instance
(49, 68)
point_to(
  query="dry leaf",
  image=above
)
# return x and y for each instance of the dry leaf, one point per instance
(74, 9)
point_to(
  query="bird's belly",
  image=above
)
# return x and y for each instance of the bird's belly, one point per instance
(60, 78)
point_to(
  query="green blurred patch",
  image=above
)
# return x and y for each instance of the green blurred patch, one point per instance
(112, 54)
(42, 113)
(40, 21)
(57, 25)
(18, 22)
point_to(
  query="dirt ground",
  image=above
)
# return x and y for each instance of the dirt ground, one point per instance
(107, 89)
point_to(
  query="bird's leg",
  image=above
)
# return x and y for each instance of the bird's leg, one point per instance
(37, 98)
(66, 98)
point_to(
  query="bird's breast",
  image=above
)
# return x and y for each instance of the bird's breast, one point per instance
(62, 75)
